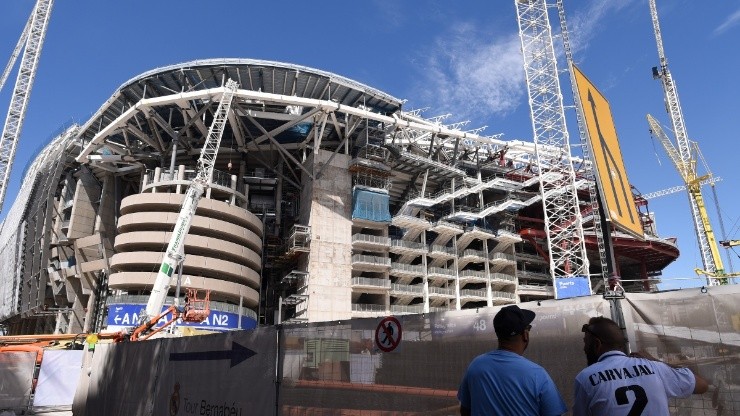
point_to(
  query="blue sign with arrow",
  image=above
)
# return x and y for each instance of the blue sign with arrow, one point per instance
(127, 315)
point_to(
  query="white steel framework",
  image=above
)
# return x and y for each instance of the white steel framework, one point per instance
(35, 32)
(563, 222)
(682, 157)
(588, 168)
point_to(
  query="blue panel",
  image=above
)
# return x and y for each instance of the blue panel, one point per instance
(126, 315)
(571, 287)
(371, 206)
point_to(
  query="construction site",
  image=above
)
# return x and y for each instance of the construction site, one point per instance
(220, 195)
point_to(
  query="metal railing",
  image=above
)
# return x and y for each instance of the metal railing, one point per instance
(503, 295)
(371, 239)
(367, 307)
(414, 289)
(375, 260)
(474, 253)
(369, 281)
(503, 276)
(476, 293)
(503, 256)
(533, 275)
(407, 308)
(408, 244)
(415, 269)
(442, 271)
(442, 249)
(445, 291)
(472, 275)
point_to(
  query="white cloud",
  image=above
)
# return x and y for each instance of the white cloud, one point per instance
(473, 79)
(585, 24)
(476, 79)
(731, 20)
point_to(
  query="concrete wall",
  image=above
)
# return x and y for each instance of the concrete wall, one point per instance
(330, 217)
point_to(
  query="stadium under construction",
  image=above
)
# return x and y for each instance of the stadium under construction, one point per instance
(329, 201)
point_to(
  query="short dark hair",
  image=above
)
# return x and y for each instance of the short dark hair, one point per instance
(606, 331)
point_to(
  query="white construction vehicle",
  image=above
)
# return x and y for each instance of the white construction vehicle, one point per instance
(195, 310)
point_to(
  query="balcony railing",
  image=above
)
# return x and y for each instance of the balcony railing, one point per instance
(407, 268)
(503, 295)
(442, 249)
(474, 253)
(372, 260)
(472, 275)
(368, 281)
(412, 289)
(371, 239)
(475, 293)
(444, 291)
(504, 277)
(533, 275)
(502, 257)
(399, 309)
(411, 245)
(441, 271)
(367, 307)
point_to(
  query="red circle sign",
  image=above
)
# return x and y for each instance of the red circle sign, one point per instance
(388, 334)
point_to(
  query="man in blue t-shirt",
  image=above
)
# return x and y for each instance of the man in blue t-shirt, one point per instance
(614, 384)
(502, 382)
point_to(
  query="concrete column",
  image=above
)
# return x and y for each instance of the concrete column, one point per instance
(180, 177)
(489, 290)
(157, 175)
(232, 200)
(458, 304)
(426, 281)
(279, 195)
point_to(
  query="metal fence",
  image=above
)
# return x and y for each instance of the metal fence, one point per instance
(404, 364)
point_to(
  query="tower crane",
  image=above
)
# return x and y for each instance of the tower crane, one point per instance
(31, 41)
(685, 162)
(563, 221)
(174, 255)
(713, 267)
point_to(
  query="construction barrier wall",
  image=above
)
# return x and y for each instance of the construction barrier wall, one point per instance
(399, 365)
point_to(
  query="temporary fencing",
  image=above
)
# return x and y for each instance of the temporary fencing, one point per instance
(401, 365)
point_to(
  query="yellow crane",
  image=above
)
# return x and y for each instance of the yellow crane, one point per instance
(713, 266)
(684, 157)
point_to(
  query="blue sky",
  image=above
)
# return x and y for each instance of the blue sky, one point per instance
(437, 54)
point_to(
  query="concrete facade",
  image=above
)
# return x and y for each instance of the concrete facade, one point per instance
(328, 201)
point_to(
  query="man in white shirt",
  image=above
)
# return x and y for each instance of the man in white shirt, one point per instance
(615, 384)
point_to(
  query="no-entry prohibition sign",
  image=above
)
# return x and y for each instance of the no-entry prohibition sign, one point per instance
(388, 334)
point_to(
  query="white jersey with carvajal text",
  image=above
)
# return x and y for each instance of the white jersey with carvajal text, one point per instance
(618, 385)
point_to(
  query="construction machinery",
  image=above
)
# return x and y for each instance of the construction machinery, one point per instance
(31, 41)
(684, 157)
(563, 222)
(195, 310)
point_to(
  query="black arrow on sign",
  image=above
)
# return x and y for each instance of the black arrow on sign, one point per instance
(237, 354)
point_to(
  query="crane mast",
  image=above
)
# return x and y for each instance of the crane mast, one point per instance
(563, 221)
(174, 254)
(34, 34)
(684, 160)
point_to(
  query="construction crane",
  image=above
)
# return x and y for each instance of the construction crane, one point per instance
(563, 221)
(174, 255)
(680, 188)
(713, 267)
(31, 41)
(685, 162)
